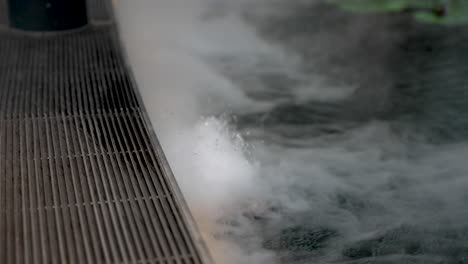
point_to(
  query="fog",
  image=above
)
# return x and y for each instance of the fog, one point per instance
(278, 119)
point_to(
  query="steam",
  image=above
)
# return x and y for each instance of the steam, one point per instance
(166, 41)
(274, 135)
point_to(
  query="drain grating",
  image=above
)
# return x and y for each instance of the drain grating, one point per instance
(81, 180)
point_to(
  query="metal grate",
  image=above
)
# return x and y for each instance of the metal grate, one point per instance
(80, 177)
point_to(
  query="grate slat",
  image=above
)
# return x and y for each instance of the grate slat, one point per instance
(10, 237)
(24, 227)
(54, 186)
(3, 185)
(33, 219)
(39, 186)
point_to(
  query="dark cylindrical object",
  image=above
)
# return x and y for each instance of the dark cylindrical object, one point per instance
(47, 15)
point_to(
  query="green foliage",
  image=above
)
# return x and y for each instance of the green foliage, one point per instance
(427, 11)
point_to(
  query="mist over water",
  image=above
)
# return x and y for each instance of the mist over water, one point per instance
(301, 134)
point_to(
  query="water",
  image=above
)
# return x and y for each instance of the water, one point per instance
(301, 134)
